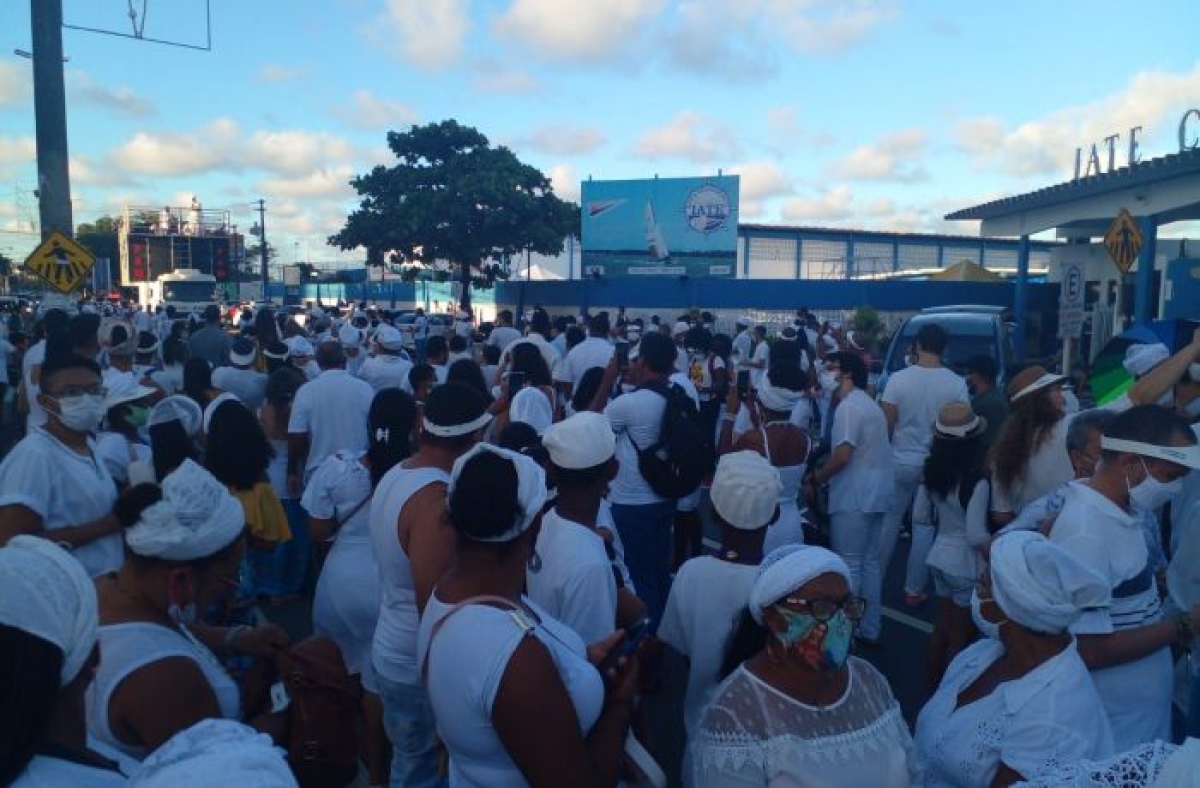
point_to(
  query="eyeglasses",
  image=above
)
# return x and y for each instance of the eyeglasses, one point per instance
(80, 391)
(823, 608)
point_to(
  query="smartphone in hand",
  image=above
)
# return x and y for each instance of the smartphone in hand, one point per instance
(634, 635)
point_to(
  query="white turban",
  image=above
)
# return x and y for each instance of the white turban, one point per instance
(583, 441)
(532, 406)
(196, 518)
(1140, 359)
(1040, 586)
(788, 568)
(300, 347)
(350, 336)
(46, 592)
(215, 752)
(531, 488)
(179, 408)
(777, 398)
(745, 490)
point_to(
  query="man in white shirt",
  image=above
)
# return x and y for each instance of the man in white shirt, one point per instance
(743, 343)
(328, 414)
(388, 368)
(240, 378)
(595, 351)
(642, 517)
(503, 334)
(911, 402)
(758, 359)
(352, 343)
(420, 332)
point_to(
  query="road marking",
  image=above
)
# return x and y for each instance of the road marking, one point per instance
(895, 615)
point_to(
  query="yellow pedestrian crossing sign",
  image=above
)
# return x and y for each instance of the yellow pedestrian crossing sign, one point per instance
(61, 262)
(1124, 240)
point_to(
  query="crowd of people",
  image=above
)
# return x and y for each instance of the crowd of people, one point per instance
(502, 530)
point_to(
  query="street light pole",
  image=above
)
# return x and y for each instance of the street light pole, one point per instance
(50, 113)
(262, 240)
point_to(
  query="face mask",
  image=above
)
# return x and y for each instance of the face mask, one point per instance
(828, 380)
(821, 646)
(138, 416)
(989, 629)
(1152, 493)
(81, 413)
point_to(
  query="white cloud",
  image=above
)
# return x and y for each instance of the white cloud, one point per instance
(429, 35)
(1046, 146)
(821, 27)
(16, 84)
(586, 32)
(273, 73)
(17, 150)
(831, 205)
(368, 112)
(82, 88)
(324, 183)
(295, 152)
(565, 182)
(720, 40)
(690, 136)
(563, 140)
(894, 157)
(493, 78)
(761, 180)
(209, 148)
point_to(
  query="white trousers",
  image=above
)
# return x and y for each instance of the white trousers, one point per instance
(855, 537)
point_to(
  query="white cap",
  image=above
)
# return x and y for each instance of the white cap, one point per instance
(583, 441)
(123, 388)
(1140, 359)
(350, 336)
(196, 518)
(45, 591)
(532, 406)
(680, 327)
(745, 490)
(389, 337)
(178, 408)
(744, 321)
(299, 346)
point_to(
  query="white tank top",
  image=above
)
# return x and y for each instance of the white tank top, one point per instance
(127, 647)
(394, 651)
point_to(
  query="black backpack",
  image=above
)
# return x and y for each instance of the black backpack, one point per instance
(683, 456)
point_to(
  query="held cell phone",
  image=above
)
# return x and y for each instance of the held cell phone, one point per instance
(634, 635)
(743, 384)
(516, 382)
(622, 353)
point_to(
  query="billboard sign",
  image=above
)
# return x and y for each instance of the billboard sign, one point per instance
(660, 227)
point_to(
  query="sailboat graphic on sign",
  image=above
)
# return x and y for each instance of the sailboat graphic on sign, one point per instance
(654, 237)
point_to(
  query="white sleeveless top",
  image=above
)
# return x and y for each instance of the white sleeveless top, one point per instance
(788, 529)
(394, 651)
(466, 663)
(136, 644)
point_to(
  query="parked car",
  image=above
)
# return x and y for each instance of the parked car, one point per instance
(438, 321)
(972, 330)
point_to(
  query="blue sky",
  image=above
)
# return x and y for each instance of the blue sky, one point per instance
(882, 115)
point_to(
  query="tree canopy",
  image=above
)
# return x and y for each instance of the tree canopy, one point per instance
(452, 196)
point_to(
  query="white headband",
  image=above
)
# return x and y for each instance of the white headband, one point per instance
(196, 518)
(1042, 382)
(455, 430)
(1183, 455)
(957, 431)
(788, 568)
(531, 488)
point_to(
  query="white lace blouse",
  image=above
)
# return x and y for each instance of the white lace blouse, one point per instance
(1154, 763)
(753, 735)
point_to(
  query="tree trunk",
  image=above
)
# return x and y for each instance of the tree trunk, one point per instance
(464, 300)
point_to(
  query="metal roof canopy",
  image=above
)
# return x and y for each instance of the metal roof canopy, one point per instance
(1166, 189)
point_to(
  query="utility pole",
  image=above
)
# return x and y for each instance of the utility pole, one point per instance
(262, 240)
(50, 113)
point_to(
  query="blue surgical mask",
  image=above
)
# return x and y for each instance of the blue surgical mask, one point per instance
(820, 645)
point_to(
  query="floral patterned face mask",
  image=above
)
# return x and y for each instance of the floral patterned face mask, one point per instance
(822, 645)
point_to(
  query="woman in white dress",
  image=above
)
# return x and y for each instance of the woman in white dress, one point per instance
(1019, 701)
(953, 497)
(338, 501)
(516, 695)
(800, 710)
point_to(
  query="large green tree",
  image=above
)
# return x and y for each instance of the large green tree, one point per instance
(452, 196)
(100, 238)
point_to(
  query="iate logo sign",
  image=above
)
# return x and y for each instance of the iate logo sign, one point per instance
(707, 209)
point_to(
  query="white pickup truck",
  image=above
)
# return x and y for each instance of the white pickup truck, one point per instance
(186, 289)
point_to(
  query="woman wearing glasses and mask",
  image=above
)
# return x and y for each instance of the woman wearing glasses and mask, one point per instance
(800, 710)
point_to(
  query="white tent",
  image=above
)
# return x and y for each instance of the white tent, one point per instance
(537, 273)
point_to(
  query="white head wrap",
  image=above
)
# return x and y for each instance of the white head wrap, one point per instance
(350, 336)
(46, 592)
(777, 398)
(299, 346)
(196, 518)
(1140, 359)
(389, 337)
(531, 488)
(583, 441)
(532, 406)
(178, 408)
(788, 568)
(215, 752)
(745, 490)
(1039, 585)
(217, 402)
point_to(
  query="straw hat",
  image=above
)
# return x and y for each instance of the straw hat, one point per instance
(956, 421)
